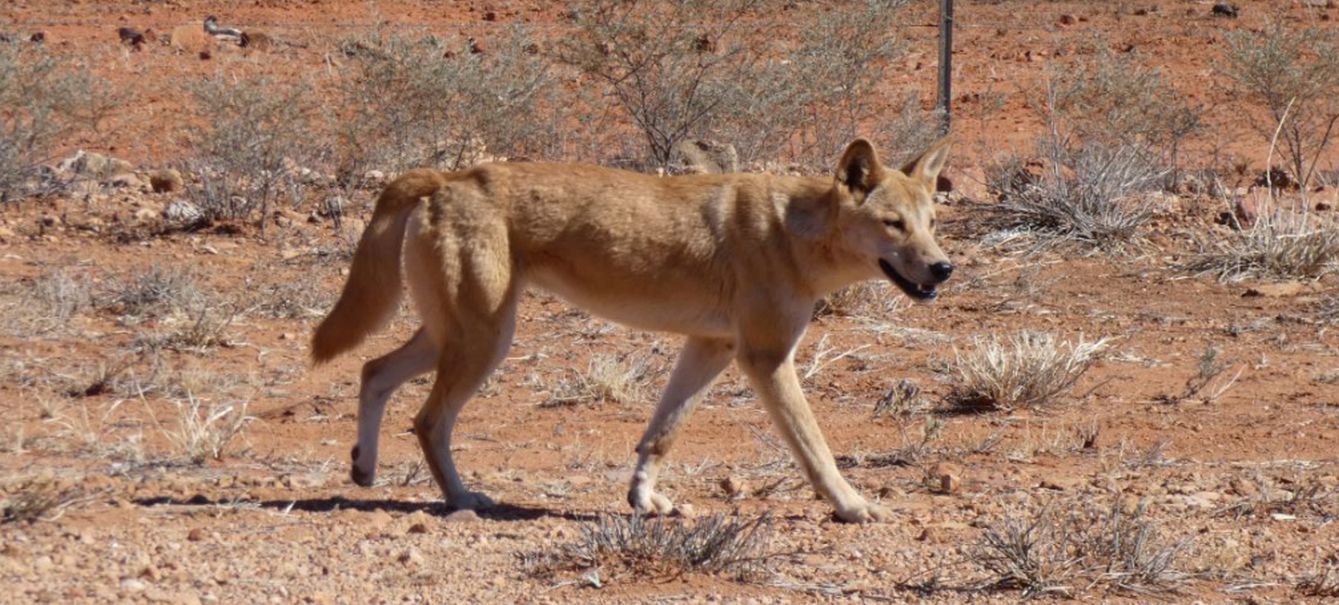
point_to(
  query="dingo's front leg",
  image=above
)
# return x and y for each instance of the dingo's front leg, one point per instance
(699, 364)
(771, 370)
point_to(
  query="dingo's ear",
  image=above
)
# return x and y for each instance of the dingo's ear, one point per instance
(859, 169)
(925, 168)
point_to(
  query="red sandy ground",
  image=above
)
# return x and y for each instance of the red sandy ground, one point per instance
(278, 521)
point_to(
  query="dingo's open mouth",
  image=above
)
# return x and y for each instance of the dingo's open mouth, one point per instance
(910, 288)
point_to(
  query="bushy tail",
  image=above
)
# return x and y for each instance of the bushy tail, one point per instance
(373, 291)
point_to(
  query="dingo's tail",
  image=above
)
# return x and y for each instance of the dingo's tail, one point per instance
(373, 290)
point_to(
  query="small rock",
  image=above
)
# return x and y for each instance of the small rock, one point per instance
(182, 211)
(133, 585)
(734, 487)
(1324, 206)
(417, 528)
(166, 181)
(1068, 20)
(463, 515)
(684, 510)
(944, 478)
(128, 180)
(411, 556)
(196, 535)
(1223, 9)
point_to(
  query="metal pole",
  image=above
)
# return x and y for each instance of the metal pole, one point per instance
(945, 61)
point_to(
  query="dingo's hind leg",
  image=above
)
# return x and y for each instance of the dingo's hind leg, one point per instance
(380, 378)
(701, 361)
(474, 346)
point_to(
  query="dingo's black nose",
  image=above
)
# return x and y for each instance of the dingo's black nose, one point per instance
(941, 270)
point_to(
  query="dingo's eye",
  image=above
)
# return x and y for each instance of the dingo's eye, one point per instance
(895, 223)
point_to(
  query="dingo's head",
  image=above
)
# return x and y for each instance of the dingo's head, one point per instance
(889, 218)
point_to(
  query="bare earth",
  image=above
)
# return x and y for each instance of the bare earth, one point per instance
(1246, 482)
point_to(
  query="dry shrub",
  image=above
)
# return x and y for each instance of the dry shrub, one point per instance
(1114, 129)
(902, 400)
(608, 377)
(1293, 73)
(1323, 583)
(37, 499)
(256, 140)
(43, 100)
(1067, 551)
(154, 292)
(411, 103)
(872, 299)
(205, 431)
(1024, 369)
(697, 70)
(669, 548)
(1284, 244)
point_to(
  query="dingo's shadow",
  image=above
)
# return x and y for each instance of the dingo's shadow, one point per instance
(501, 512)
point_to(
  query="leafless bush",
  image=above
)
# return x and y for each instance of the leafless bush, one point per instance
(1023, 369)
(1293, 72)
(1284, 244)
(823, 93)
(1114, 100)
(1068, 552)
(154, 292)
(42, 100)
(665, 548)
(1323, 583)
(1205, 384)
(424, 102)
(256, 139)
(61, 296)
(291, 300)
(1094, 194)
(1114, 130)
(696, 69)
(904, 399)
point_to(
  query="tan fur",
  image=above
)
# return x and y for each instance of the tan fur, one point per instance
(373, 289)
(735, 262)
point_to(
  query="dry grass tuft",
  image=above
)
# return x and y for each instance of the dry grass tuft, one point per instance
(903, 400)
(1065, 553)
(1324, 582)
(667, 548)
(607, 377)
(204, 431)
(1280, 245)
(1025, 369)
(37, 499)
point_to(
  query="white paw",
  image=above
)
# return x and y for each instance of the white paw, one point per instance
(864, 512)
(646, 501)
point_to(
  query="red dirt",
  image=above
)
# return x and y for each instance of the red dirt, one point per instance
(277, 519)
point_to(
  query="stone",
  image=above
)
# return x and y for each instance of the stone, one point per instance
(734, 487)
(133, 585)
(944, 478)
(196, 535)
(411, 557)
(190, 38)
(182, 211)
(168, 180)
(463, 515)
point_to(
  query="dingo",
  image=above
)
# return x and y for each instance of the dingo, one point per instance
(735, 262)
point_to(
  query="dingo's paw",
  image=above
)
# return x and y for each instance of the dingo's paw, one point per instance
(646, 501)
(472, 501)
(865, 512)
